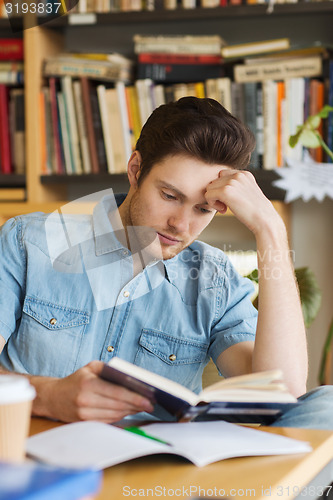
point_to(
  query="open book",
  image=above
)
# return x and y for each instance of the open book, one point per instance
(255, 398)
(97, 445)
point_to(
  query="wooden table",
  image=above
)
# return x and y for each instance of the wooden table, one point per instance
(261, 478)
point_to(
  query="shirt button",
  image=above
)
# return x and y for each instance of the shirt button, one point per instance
(110, 348)
(125, 252)
(53, 321)
(172, 357)
(126, 293)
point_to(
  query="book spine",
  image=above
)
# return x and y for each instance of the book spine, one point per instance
(270, 121)
(117, 136)
(5, 151)
(53, 67)
(279, 70)
(51, 161)
(237, 100)
(88, 117)
(260, 124)
(172, 73)
(223, 86)
(250, 98)
(64, 131)
(178, 48)
(17, 99)
(55, 125)
(67, 87)
(101, 94)
(11, 49)
(120, 87)
(160, 58)
(82, 129)
(280, 121)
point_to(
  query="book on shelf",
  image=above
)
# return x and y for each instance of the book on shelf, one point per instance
(295, 51)
(257, 397)
(67, 89)
(34, 481)
(279, 70)
(60, 164)
(82, 127)
(17, 129)
(162, 58)
(64, 64)
(98, 445)
(94, 127)
(173, 73)
(246, 49)
(11, 49)
(5, 146)
(178, 44)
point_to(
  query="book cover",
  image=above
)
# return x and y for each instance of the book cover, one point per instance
(65, 134)
(270, 124)
(250, 398)
(36, 481)
(279, 70)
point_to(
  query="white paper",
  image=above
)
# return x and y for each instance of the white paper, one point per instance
(305, 179)
(97, 445)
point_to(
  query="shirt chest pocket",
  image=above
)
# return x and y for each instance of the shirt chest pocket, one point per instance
(178, 359)
(49, 337)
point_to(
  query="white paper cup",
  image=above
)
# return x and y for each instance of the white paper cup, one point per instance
(16, 396)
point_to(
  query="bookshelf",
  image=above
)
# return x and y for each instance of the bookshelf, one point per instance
(302, 22)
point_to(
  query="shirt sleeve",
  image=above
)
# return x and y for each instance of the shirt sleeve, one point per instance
(12, 276)
(236, 317)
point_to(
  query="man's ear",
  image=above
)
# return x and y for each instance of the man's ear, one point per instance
(133, 168)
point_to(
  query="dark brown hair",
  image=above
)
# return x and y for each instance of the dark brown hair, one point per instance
(199, 128)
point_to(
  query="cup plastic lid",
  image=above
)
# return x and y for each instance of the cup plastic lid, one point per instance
(15, 388)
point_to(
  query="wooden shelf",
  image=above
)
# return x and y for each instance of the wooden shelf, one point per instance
(12, 180)
(15, 23)
(199, 13)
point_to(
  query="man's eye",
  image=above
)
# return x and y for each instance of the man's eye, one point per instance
(168, 196)
(204, 210)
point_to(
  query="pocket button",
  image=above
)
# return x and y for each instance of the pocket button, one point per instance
(172, 357)
(53, 321)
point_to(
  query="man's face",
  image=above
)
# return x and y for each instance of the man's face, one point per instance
(171, 202)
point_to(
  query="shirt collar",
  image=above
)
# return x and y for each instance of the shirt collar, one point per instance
(107, 223)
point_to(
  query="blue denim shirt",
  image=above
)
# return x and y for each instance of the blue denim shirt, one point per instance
(68, 296)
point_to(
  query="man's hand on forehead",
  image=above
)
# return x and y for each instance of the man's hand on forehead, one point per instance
(238, 190)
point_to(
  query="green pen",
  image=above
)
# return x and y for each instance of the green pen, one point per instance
(140, 432)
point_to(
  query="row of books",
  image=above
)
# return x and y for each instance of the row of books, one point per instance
(12, 130)
(92, 127)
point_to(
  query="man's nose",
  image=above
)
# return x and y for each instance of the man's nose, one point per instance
(180, 221)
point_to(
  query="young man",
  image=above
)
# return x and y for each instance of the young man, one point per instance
(134, 282)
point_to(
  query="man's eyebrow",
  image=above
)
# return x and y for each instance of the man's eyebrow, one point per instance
(181, 195)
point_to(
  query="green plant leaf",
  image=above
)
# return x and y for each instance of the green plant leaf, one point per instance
(293, 140)
(324, 112)
(309, 139)
(310, 294)
(313, 122)
(253, 276)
